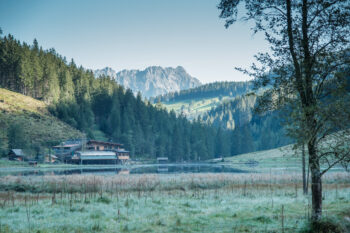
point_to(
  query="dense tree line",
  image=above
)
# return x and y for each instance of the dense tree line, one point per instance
(100, 105)
(207, 91)
(251, 132)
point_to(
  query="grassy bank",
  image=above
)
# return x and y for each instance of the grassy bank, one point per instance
(5, 163)
(39, 127)
(166, 203)
(282, 160)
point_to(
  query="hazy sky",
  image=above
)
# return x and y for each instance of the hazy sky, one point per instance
(134, 34)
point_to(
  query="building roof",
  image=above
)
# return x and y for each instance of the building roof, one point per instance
(18, 152)
(67, 146)
(96, 153)
(104, 143)
(98, 157)
(162, 158)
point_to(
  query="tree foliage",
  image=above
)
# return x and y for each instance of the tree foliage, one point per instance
(209, 90)
(251, 132)
(307, 70)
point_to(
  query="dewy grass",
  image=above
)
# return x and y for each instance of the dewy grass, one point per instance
(166, 203)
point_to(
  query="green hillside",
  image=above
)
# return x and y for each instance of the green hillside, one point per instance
(36, 128)
(210, 90)
(197, 101)
(262, 161)
(192, 108)
(232, 111)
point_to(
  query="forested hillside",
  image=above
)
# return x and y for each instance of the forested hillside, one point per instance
(209, 90)
(197, 101)
(228, 106)
(251, 132)
(101, 108)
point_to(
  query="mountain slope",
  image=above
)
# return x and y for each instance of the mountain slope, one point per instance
(252, 132)
(152, 81)
(197, 101)
(107, 71)
(210, 90)
(37, 127)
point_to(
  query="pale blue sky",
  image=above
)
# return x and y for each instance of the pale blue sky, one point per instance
(134, 34)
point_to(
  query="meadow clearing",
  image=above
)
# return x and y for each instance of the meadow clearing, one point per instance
(167, 203)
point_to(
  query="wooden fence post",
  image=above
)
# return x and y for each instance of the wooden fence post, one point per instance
(282, 218)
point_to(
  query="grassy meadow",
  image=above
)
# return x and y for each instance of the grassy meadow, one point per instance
(258, 202)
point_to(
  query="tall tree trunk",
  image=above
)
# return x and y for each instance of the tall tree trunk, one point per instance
(305, 188)
(316, 183)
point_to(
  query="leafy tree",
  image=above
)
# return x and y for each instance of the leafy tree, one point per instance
(309, 41)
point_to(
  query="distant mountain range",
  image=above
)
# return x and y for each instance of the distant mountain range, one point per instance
(152, 81)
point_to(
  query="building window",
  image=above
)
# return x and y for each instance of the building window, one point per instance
(97, 148)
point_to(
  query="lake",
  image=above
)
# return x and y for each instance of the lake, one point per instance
(123, 170)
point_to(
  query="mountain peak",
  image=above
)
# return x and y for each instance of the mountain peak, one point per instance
(153, 80)
(107, 71)
(180, 68)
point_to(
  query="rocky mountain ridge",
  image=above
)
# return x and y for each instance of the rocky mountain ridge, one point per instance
(153, 80)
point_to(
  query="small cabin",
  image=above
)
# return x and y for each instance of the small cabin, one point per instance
(78, 151)
(123, 156)
(65, 151)
(16, 155)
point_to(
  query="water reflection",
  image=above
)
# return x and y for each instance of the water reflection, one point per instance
(146, 169)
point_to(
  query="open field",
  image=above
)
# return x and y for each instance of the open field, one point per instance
(166, 203)
(279, 159)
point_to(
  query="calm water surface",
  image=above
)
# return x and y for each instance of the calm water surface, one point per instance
(146, 169)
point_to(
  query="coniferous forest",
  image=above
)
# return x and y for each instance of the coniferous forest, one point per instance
(208, 91)
(100, 105)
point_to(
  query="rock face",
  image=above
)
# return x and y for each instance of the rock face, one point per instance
(152, 81)
(107, 71)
